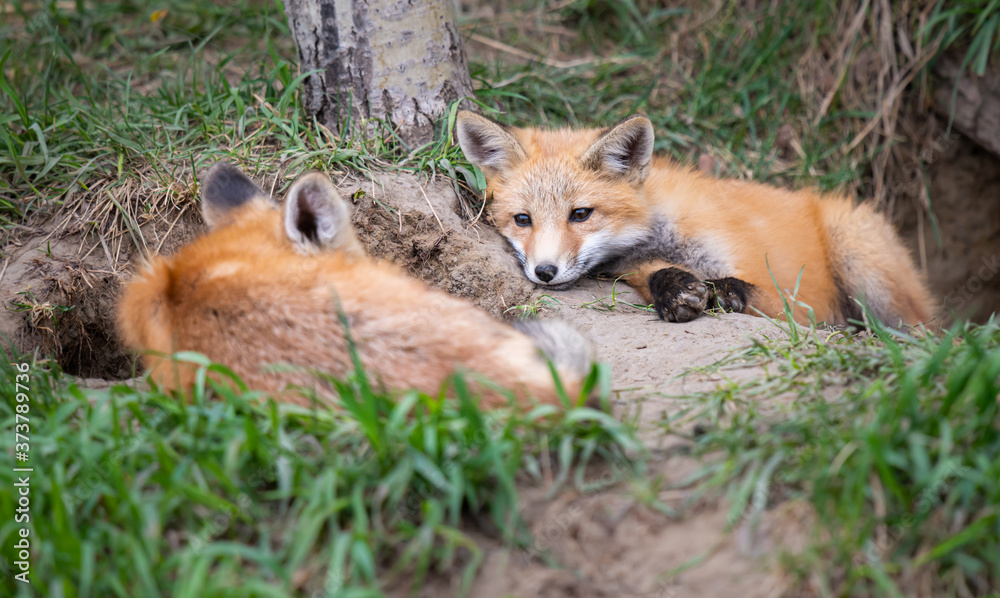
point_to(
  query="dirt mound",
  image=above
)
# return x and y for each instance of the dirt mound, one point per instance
(655, 363)
(606, 543)
(59, 288)
(610, 545)
(416, 224)
(63, 307)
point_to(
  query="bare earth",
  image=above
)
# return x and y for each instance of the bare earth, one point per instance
(598, 543)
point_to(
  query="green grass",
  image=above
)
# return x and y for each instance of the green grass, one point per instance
(94, 96)
(137, 493)
(94, 100)
(894, 441)
(107, 93)
(973, 25)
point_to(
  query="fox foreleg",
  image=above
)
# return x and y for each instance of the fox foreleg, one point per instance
(679, 295)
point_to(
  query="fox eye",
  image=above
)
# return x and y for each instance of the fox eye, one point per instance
(580, 214)
(522, 220)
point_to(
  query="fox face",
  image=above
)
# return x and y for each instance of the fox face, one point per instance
(567, 201)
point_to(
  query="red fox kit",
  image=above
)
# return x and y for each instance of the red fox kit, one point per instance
(576, 202)
(268, 286)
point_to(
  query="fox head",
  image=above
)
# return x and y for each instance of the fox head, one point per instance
(314, 217)
(251, 239)
(566, 200)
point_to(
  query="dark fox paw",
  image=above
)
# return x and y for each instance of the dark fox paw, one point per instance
(729, 294)
(678, 296)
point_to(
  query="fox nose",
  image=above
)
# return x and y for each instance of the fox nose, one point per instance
(545, 272)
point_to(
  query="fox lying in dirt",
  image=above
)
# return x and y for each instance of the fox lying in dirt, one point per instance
(268, 286)
(596, 201)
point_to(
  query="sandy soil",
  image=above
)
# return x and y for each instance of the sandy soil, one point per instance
(651, 359)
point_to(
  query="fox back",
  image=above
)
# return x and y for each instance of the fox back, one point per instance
(267, 287)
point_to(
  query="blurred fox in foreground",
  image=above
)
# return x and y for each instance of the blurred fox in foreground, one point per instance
(596, 201)
(269, 286)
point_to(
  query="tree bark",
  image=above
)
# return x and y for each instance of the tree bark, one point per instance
(401, 61)
(976, 101)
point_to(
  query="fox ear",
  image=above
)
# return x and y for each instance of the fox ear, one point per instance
(223, 189)
(624, 150)
(317, 218)
(487, 144)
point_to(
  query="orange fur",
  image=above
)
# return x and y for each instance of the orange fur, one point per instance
(710, 227)
(246, 296)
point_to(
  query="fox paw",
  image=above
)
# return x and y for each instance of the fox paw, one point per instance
(729, 294)
(678, 296)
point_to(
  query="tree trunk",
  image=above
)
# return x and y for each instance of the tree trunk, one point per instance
(401, 61)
